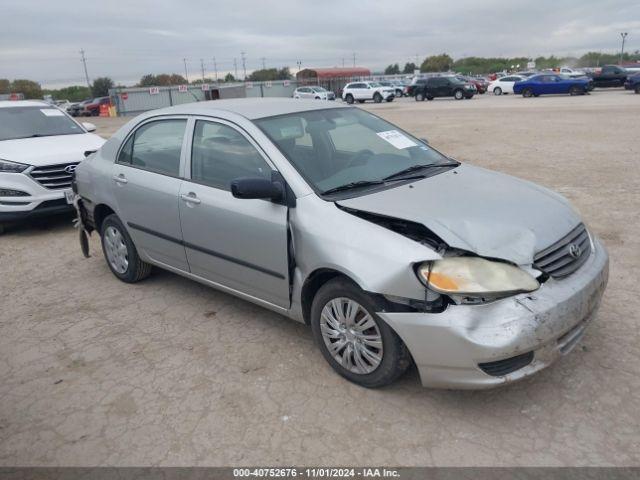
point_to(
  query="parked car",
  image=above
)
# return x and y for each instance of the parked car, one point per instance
(363, 91)
(480, 84)
(504, 85)
(75, 108)
(609, 76)
(546, 83)
(417, 81)
(396, 85)
(314, 92)
(63, 104)
(40, 146)
(571, 72)
(443, 87)
(317, 212)
(633, 83)
(92, 109)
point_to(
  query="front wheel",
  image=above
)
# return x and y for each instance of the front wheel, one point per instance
(527, 93)
(377, 97)
(357, 343)
(120, 252)
(419, 97)
(497, 91)
(575, 90)
(458, 95)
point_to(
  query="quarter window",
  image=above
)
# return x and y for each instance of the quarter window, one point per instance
(155, 146)
(221, 154)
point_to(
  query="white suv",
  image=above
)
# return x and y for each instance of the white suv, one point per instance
(314, 92)
(40, 147)
(363, 91)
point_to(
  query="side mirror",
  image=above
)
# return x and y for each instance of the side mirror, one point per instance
(89, 127)
(257, 187)
(424, 140)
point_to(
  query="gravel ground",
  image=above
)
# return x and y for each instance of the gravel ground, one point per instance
(168, 372)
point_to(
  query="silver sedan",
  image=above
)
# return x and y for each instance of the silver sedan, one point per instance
(391, 251)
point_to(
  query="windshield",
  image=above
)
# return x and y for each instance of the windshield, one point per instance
(335, 147)
(318, 89)
(25, 122)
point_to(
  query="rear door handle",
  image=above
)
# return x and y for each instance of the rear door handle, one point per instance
(120, 179)
(190, 198)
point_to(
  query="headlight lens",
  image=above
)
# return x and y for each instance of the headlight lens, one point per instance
(12, 167)
(475, 276)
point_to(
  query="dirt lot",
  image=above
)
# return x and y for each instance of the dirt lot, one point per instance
(168, 372)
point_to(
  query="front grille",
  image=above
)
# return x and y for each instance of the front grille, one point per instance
(53, 176)
(506, 366)
(566, 255)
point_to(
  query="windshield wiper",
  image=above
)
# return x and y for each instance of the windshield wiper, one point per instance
(415, 168)
(352, 185)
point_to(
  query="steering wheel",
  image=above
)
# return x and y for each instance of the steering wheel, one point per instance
(359, 158)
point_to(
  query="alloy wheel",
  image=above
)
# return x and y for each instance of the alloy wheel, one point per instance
(351, 335)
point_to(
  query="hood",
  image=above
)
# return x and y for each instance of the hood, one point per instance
(43, 151)
(473, 209)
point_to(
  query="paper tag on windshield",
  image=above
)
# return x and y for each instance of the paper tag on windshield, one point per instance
(52, 112)
(397, 139)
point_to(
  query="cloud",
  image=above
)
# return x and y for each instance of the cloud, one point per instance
(126, 39)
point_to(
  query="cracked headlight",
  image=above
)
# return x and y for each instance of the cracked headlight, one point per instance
(12, 167)
(475, 276)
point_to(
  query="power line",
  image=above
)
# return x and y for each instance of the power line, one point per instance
(84, 63)
(264, 63)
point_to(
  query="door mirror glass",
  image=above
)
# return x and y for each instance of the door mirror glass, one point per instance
(256, 187)
(89, 127)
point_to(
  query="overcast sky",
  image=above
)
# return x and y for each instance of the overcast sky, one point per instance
(41, 39)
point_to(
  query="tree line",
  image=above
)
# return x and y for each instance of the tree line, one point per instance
(481, 65)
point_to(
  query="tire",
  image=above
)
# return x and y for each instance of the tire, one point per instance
(637, 90)
(377, 97)
(458, 94)
(429, 97)
(575, 90)
(114, 236)
(419, 97)
(399, 93)
(527, 93)
(390, 98)
(497, 91)
(2, 229)
(395, 357)
(317, 98)
(349, 99)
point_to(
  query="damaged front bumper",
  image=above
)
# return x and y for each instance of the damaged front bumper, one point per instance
(482, 346)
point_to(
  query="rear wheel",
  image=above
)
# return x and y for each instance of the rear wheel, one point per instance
(357, 343)
(638, 88)
(390, 98)
(419, 97)
(377, 97)
(120, 252)
(458, 95)
(497, 91)
(527, 93)
(349, 99)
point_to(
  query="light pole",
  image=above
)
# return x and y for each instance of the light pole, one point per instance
(299, 63)
(624, 37)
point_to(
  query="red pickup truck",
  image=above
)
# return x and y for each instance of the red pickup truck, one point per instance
(92, 109)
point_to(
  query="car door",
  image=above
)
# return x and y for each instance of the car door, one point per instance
(304, 92)
(360, 91)
(146, 185)
(240, 244)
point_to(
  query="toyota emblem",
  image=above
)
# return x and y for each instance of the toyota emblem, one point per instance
(574, 250)
(70, 168)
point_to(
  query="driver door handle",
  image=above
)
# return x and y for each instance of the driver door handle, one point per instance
(120, 179)
(190, 198)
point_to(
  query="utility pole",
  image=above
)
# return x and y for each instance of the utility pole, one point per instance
(244, 64)
(202, 69)
(264, 63)
(84, 62)
(342, 62)
(186, 74)
(235, 67)
(354, 59)
(299, 63)
(215, 68)
(624, 37)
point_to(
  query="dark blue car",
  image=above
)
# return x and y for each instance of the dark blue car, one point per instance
(633, 83)
(549, 83)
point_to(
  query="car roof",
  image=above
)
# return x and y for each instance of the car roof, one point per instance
(250, 108)
(24, 103)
